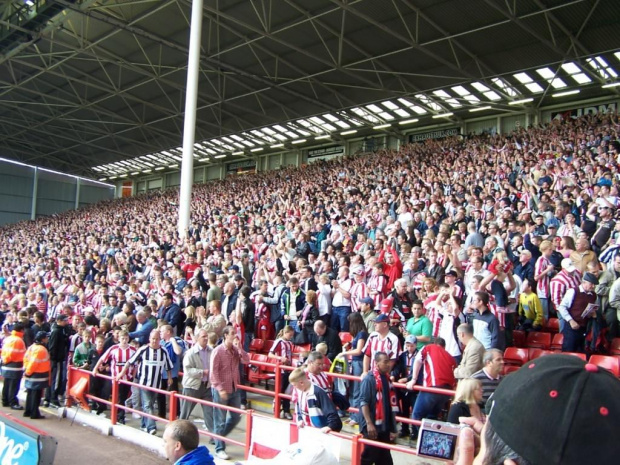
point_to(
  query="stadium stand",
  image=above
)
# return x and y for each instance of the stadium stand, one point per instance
(443, 222)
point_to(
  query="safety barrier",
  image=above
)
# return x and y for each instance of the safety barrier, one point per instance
(357, 441)
(278, 396)
(75, 374)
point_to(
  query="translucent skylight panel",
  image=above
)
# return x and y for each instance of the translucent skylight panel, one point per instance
(316, 120)
(602, 62)
(237, 138)
(508, 89)
(402, 113)
(471, 98)
(557, 83)
(407, 103)
(546, 73)
(492, 95)
(390, 105)
(374, 108)
(419, 110)
(209, 151)
(303, 122)
(280, 128)
(427, 101)
(303, 132)
(329, 127)
(534, 87)
(364, 114)
(581, 78)
(460, 90)
(329, 117)
(245, 142)
(601, 67)
(342, 124)
(446, 97)
(229, 140)
(152, 157)
(523, 78)
(386, 116)
(269, 131)
(571, 68)
(280, 137)
(292, 135)
(480, 87)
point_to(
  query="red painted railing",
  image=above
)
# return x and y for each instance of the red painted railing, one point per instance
(357, 441)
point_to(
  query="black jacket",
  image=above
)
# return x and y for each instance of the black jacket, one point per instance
(331, 338)
(58, 345)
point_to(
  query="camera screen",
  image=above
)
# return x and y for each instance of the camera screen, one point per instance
(436, 444)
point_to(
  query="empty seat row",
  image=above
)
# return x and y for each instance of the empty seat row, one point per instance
(515, 357)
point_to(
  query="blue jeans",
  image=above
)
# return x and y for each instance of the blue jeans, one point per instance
(246, 346)
(340, 322)
(544, 303)
(148, 402)
(357, 367)
(294, 324)
(225, 420)
(574, 339)
(428, 405)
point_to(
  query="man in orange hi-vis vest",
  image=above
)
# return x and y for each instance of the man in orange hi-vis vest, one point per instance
(37, 369)
(13, 350)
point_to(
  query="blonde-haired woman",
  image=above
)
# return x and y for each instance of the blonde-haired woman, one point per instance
(467, 401)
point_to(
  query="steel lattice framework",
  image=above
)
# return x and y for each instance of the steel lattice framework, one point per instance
(89, 83)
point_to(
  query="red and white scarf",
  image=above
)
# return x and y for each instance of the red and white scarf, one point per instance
(380, 414)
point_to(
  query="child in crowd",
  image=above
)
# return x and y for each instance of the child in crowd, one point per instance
(282, 350)
(530, 309)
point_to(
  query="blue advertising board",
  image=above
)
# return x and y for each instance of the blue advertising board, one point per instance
(22, 444)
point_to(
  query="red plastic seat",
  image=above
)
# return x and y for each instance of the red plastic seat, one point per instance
(256, 345)
(301, 348)
(535, 353)
(609, 362)
(518, 338)
(258, 373)
(515, 356)
(576, 354)
(510, 369)
(552, 325)
(345, 337)
(538, 340)
(615, 346)
(267, 346)
(556, 344)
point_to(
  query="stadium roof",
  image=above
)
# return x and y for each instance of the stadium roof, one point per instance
(96, 88)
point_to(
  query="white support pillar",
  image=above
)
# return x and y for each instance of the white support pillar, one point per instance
(189, 129)
(77, 193)
(35, 188)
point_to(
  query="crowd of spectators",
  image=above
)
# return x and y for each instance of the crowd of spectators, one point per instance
(491, 231)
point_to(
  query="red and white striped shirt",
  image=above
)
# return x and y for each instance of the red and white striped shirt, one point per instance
(379, 285)
(282, 348)
(358, 292)
(321, 380)
(117, 358)
(375, 344)
(561, 283)
(542, 286)
(432, 313)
